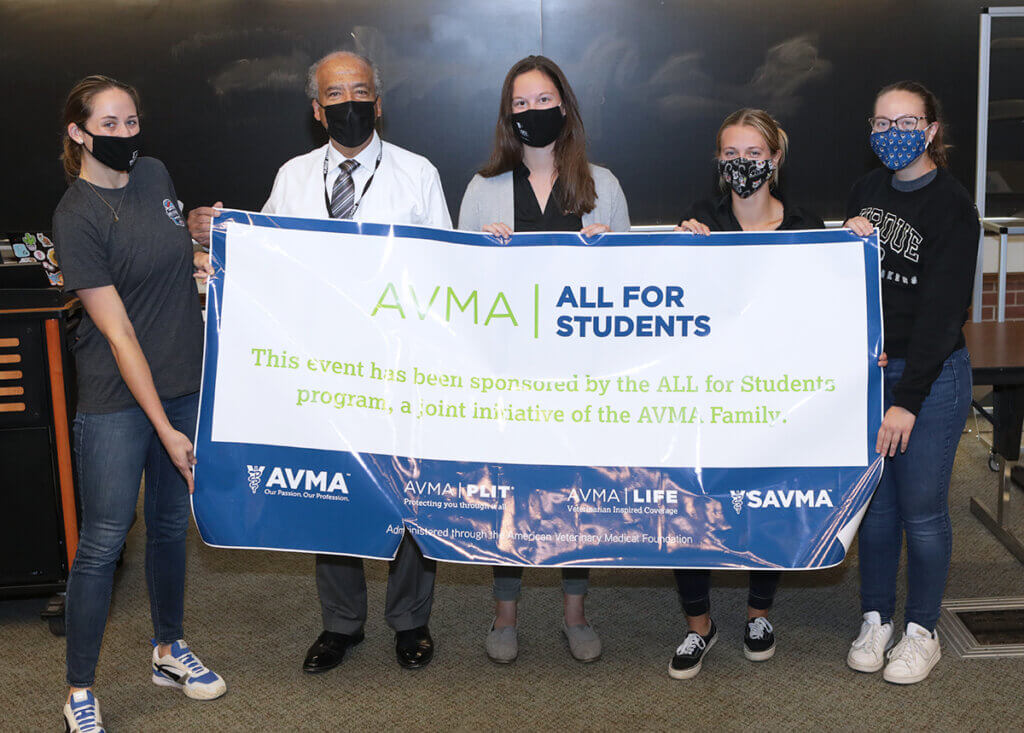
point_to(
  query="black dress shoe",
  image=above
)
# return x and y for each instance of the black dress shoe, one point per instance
(328, 651)
(414, 648)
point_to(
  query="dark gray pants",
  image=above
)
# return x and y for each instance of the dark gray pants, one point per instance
(341, 584)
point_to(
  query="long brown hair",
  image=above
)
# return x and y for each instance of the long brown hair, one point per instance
(575, 180)
(938, 150)
(78, 109)
(774, 136)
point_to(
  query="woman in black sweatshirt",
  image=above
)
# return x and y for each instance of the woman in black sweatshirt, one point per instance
(750, 149)
(928, 233)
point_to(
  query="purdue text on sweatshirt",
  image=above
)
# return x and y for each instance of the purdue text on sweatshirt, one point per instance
(928, 233)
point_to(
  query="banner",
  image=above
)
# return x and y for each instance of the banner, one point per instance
(645, 400)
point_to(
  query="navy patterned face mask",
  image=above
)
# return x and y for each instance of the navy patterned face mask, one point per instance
(746, 175)
(898, 148)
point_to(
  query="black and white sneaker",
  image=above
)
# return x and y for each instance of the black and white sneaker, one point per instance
(689, 655)
(759, 640)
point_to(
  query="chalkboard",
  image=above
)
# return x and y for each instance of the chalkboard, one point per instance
(223, 102)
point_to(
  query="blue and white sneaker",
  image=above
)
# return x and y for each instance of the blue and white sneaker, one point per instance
(182, 669)
(82, 713)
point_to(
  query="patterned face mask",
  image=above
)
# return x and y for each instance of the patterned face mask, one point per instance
(898, 148)
(746, 175)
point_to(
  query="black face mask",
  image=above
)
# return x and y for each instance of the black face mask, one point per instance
(119, 153)
(538, 128)
(745, 175)
(350, 123)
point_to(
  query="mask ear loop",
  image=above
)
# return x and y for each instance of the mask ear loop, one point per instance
(927, 140)
(83, 132)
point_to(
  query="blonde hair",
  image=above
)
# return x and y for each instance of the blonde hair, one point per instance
(774, 136)
(78, 109)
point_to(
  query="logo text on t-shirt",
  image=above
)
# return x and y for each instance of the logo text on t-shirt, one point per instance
(894, 233)
(172, 212)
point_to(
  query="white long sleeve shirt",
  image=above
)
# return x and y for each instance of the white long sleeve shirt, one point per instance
(406, 187)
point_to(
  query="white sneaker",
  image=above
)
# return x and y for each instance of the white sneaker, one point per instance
(867, 653)
(912, 659)
(82, 713)
(182, 669)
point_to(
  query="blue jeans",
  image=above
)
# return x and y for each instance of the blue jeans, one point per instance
(112, 451)
(913, 497)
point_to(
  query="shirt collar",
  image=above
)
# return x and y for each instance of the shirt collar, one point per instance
(916, 184)
(367, 157)
(521, 173)
(789, 215)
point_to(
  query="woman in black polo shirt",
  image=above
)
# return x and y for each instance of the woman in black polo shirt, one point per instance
(124, 250)
(751, 152)
(751, 149)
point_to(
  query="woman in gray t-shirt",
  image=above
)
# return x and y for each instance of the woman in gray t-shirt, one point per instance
(124, 250)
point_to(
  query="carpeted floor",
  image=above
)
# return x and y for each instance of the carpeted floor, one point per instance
(251, 616)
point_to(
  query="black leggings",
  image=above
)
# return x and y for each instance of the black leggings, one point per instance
(695, 589)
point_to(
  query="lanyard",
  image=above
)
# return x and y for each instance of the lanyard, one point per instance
(327, 199)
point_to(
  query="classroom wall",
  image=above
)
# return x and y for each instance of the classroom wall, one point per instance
(222, 84)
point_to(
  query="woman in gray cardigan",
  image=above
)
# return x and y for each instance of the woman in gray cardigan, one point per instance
(538, 179)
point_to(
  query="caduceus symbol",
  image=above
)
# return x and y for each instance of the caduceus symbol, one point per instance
(737, 499)
(255, 474)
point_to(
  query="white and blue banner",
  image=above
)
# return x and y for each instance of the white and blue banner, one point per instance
(643, 400)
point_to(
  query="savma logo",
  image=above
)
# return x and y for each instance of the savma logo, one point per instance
(297, 479)
(784, 499)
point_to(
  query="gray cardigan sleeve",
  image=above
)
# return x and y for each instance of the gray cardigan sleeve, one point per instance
(611, 208)
(470, 218)
(618, 220)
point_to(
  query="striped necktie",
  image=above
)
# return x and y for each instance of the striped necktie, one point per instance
(343, 197)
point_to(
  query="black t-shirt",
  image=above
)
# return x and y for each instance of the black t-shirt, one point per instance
(718, 216)
(928, 239)
(147, 256)
(529, 217)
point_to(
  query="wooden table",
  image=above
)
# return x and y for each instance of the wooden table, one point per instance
(997, 359)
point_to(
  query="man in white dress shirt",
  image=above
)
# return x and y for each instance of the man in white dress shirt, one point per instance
(357, 176)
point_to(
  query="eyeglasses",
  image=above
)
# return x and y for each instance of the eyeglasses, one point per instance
(903, 122)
